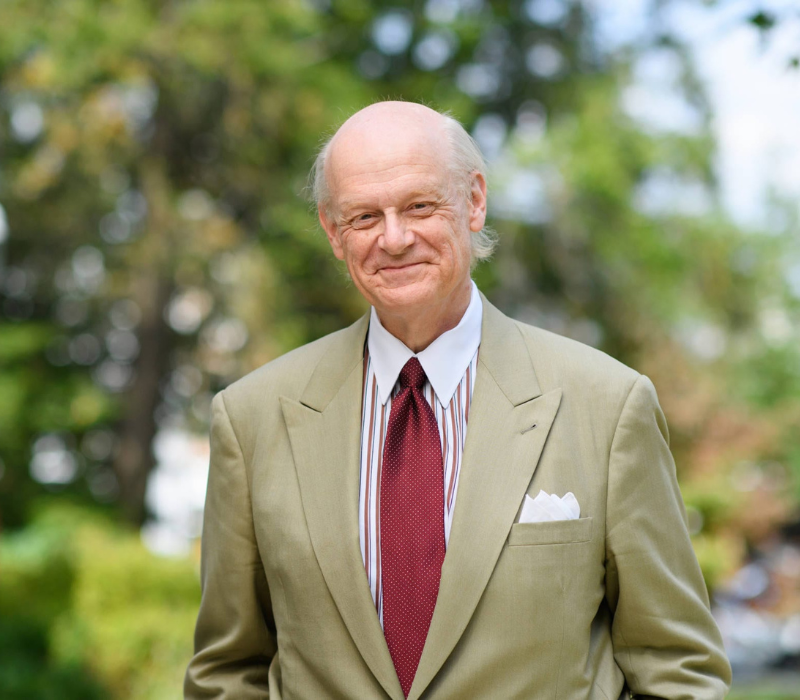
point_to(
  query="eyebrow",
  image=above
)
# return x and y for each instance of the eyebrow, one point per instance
(349, 205)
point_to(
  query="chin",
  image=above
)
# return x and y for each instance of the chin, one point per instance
(407, 297)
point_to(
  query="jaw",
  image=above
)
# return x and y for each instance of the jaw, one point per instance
(417, 314)
(421, 298)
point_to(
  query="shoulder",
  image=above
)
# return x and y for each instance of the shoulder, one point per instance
(596, 388)
(289, 374)
(560, 361)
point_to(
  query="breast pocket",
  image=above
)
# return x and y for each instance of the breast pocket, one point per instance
(553, 532)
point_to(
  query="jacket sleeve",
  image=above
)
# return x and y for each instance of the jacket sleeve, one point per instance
(234, 638)
(664, 637)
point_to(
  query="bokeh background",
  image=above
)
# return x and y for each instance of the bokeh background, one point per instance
(156, 245)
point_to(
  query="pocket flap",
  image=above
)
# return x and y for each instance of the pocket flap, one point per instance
(553, 532)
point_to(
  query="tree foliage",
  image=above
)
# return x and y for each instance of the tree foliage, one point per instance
(155, 245)
(152, 174)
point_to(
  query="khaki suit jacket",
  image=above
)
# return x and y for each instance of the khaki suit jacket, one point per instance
(593, 608)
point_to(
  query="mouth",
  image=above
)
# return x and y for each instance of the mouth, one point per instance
(399, 268)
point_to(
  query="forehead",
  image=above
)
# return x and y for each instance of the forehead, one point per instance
(379, 158)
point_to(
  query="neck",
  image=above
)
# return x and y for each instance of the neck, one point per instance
(420, 328)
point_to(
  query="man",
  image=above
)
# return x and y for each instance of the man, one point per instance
(368, 528)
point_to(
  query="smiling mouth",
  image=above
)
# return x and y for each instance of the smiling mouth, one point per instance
(392, 268)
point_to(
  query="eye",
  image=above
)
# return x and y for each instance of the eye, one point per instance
(363, 220)
(420, 206)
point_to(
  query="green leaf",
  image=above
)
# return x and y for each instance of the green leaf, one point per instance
(764, 21)
(21, 341)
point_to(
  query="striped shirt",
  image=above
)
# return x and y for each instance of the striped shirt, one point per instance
(450, 363)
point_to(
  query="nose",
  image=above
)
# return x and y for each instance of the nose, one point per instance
(396, 237)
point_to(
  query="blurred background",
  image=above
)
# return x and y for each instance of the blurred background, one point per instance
(155, 245)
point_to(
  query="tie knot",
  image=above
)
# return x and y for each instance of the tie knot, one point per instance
(412, 375)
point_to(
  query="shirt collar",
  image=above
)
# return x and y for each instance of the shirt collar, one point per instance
(445, 360)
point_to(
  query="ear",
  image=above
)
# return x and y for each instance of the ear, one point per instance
(477, 205)
(332, 232)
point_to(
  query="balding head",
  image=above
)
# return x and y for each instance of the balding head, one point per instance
(389, 124)
(392, 127)
(383, 133)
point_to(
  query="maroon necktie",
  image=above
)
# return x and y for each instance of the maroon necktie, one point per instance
(412, 522)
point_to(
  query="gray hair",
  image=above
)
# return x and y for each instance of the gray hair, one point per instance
(465, 159)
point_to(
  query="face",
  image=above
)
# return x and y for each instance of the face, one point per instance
(399, 223)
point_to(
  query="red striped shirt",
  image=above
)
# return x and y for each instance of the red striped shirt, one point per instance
(452, 420)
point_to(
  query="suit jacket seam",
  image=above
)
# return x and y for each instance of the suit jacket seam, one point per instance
(261, 571)
(605, 520)
(611, 448)
(602, 690)
(230, 422)
(244, 466)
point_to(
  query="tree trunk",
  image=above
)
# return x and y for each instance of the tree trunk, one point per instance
(135, 460)
(152, 289)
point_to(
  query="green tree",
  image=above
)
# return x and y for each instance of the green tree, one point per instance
(154, 158)
(152, 161)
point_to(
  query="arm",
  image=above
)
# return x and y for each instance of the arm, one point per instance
(235, 636)
(665, 640)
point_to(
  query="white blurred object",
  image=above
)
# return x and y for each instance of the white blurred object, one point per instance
(176, 491)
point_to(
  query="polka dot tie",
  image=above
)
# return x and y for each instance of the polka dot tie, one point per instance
(411, 522)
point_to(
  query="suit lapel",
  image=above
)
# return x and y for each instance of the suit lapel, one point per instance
(500, 457)
(325, 432)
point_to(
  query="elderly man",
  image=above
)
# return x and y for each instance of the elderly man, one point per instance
(440, 501)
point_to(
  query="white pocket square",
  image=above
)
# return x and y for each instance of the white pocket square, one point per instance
(546, 507)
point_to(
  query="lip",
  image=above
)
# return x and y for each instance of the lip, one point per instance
(397, 268)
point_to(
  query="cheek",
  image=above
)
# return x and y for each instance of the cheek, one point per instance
(357, 254)
(460, 244)
(441, 234)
